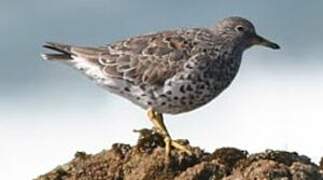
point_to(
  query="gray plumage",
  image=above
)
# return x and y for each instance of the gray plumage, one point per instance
(171, 71)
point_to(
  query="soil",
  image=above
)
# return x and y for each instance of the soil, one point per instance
(147, 161)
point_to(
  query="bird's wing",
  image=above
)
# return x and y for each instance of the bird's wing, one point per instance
(148, 59)
(151, 59)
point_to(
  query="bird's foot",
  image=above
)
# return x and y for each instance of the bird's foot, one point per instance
(160, 128)
(169, 144)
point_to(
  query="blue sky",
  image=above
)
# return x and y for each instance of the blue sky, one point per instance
(48, 111)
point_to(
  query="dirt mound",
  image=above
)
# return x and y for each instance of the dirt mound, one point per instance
(147, 161)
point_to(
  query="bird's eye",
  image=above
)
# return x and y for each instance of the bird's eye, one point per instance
(240, 28)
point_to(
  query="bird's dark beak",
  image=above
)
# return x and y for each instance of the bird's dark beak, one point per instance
(258, 40)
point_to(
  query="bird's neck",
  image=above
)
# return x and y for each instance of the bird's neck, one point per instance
(231, 52)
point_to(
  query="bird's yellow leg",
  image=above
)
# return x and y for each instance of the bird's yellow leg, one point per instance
(158, 121)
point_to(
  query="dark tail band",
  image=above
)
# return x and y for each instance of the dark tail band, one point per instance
(64, 51)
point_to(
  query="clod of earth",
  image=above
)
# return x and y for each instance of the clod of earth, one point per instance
(146, 161)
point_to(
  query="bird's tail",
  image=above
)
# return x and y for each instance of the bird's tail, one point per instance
(63, 52)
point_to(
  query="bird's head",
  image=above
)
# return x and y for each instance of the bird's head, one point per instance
(242, 32)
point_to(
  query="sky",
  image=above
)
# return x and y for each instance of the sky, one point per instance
(48, 111)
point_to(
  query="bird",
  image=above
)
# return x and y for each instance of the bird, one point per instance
(167, 72)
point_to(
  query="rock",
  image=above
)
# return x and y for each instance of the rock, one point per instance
(146, 161)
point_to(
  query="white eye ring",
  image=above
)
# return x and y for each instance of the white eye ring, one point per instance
(240, 28)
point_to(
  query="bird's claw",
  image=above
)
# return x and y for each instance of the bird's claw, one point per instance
(169, 144)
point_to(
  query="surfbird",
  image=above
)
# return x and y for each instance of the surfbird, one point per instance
(171, 72)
